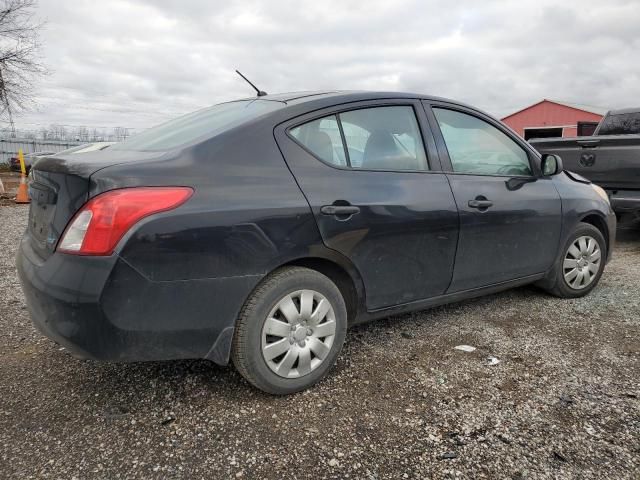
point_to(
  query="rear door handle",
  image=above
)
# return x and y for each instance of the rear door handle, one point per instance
(480, 204)
(340, 210)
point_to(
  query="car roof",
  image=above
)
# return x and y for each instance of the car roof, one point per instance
(298, 103)
(342, 96)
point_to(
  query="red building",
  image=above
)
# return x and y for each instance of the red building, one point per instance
(551, 118)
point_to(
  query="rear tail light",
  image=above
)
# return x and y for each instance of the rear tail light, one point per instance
(99, 225)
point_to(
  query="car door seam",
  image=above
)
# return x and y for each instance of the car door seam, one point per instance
(315, 220)
(455, 253)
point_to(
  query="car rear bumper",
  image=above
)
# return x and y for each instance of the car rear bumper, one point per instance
(100, 308)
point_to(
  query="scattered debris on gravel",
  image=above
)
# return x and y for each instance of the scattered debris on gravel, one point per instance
(563, 401)
(465, 348)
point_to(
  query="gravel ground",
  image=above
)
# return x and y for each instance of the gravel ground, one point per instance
(563, 402)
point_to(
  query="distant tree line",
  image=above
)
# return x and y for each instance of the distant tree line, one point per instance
(71, 134)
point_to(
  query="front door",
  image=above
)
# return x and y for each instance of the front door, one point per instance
(377, 196)
(510, 216)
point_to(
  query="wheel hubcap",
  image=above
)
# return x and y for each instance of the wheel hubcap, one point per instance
(298, 333)
(582, 262)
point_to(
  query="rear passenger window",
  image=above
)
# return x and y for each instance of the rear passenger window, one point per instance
(379, 138)
(386, 138)
(322, 138)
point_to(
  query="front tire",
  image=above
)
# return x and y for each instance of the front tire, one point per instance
(290, 331)
(580, 263)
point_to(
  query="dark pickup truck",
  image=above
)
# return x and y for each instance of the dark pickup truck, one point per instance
(610, 158)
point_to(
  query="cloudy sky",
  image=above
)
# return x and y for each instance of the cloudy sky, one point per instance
(134, 63)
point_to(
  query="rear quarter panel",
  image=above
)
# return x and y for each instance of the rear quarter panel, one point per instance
(192, 269)
(246, 214)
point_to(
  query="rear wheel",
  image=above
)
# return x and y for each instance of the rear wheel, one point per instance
(581, 262)
(290, 331)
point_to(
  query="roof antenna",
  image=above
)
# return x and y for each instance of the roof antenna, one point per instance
(260, 92)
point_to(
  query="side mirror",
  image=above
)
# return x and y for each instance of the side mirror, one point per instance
(551, 164)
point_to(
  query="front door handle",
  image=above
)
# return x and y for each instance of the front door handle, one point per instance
(480, 203)
(340, 210)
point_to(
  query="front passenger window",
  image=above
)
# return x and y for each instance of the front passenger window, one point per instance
(477, 147)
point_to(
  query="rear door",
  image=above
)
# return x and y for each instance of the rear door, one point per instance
(371, 175)
(510, 216)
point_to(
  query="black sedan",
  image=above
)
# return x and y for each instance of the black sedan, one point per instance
(257, 231)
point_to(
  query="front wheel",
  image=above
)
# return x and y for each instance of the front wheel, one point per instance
(290, 331)
(581, 262)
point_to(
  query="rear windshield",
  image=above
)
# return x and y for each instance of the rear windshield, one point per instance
(203, 123)
(620, 124)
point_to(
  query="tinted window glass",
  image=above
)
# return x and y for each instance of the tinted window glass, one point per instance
(477, 147)
(621, 124)
(206, 122)
(385, 138)
(586, 129)
(322, 137)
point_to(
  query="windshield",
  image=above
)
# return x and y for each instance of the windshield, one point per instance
(206, 122)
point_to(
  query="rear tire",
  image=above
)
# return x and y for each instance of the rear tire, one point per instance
(290, 331)
(580, 263)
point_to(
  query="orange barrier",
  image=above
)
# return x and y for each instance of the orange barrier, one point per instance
(23, 189)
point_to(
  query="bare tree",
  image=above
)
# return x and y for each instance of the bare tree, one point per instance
(19, 62)
(81, 134)
(120, 133)
(58, 132)
(96, 136)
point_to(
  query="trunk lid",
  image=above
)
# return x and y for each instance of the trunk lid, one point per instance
(58, 187)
